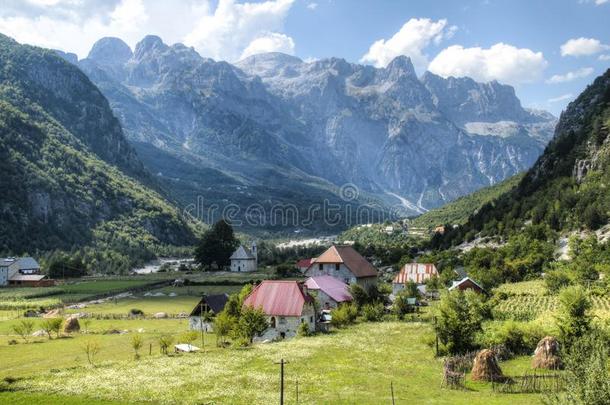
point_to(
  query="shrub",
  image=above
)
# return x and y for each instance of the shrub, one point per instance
(136, 343)
(343, 315)
(303, 329)
(165, 341)
(373, 312)
(517, 337)
(223, 325)
(252, 322)
(24, 329)
(458, 319)
(91, 349)
(555, 280)
(573, 318)
(587, 376)
(360, 295)
(52, 325)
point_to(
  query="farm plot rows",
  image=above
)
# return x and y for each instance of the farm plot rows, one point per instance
(528, 307)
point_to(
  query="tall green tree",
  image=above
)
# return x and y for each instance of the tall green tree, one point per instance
(459, 316)
(573, 319)
(216, 246)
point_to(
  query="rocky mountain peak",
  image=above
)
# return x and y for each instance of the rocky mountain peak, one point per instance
(400, 66)
(110, 51)
(149, 44)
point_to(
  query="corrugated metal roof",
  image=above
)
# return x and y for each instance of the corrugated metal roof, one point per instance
(415, 272)
(278, 298)
(333, 287)
(348, 256)
(27, 277)
(466, 283)
(27, 263)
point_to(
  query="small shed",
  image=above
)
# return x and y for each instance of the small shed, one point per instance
(210, 304)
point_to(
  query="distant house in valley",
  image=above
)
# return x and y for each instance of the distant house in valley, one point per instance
(304, 264)
(330, 291)
(346, 264)
(287, 304)
(417, 273)
(210, 304)
(467, 284)
(23, 271)
(244, 259)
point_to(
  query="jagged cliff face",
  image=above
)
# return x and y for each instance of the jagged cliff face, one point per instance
(69, 177)
(420, 142)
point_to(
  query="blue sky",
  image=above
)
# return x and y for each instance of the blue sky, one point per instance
(548, 50)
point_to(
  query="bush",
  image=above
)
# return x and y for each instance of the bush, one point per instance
(573, 319)
(303, 329)
(136, 343)
(252, 322)
(373, 312)
(343, 315)
(555, 280)
(459, 316)
(165, 341)
(517, 337)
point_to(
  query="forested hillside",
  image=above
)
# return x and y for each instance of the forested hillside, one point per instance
(70, 180)
(567, 187)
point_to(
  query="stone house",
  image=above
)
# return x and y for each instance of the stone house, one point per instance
(244, 259)
(346, 264)
(210, 304)
(330, 291)
(287, 305)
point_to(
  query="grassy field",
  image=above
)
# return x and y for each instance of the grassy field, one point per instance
(354, 365)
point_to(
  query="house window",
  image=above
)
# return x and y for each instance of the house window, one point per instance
(337, 266)
(311, 319)
(282, 320)
(302, 320)
(346, 280)
(320, 267)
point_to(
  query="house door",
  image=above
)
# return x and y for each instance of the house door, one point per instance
(238, 268)
(272, 322)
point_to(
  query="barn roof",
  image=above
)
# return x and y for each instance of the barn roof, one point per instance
(278, 298)
(215, 302)
(27, 277)
(416, 272)
(333, 287)
(348, 256)
(242, 253)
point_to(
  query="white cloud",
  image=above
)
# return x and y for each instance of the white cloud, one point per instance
(568, 77)
(312, 6)
(582, 46)
(412, 39)
(604, 57)
(223, 32)
(600, 2)
(272, 42)
(501, 62)
(563, 97)
(232, 27)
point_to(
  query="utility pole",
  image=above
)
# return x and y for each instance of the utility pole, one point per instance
(436, 336)
(281, 363)
(201, 322)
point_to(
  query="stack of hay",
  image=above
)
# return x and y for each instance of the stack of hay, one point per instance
(547, 354)
(485, 367)
(71, 324)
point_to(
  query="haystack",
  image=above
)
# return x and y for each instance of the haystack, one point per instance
(71, 325)
(547, 354)
(485, 367)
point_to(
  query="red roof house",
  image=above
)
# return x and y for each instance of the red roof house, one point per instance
(286, 304)
(304, 264)
(467, 284)
(418, 273)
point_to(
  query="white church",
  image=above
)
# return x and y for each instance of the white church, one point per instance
(244, 259)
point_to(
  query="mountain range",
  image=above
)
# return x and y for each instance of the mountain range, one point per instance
(70, 179)
(273, 129)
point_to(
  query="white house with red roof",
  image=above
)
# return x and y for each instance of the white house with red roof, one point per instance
(417, 273)
(346, 264)
(287, 305)
(330, 291)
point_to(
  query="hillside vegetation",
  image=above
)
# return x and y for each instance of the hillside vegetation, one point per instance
(566, 188)
(70, 181)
